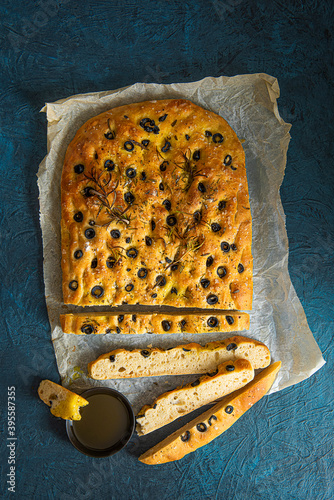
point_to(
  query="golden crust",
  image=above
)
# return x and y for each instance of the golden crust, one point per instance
(203, 429)
(101, 323)
(178, 163)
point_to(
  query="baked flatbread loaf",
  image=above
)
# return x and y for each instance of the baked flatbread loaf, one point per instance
(100, 323)
(181, 360)
(64, 403)
(155, 210)
(229, 376)
(203, 429)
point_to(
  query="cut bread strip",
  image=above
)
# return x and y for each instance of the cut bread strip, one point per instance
(203, 429)
(64, 403)
(228, 377)
(180, 360)
(101, 323)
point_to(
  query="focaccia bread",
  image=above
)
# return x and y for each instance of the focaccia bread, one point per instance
(155, 210)
(64, 403)
(229, 376)
(101, 323)
(203, 429)
(180, 360)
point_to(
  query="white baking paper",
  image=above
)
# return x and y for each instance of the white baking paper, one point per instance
(249, 104)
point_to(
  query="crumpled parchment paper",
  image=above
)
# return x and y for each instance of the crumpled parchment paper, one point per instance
(249, 104)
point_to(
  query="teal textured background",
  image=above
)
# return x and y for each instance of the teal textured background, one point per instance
(283, 448)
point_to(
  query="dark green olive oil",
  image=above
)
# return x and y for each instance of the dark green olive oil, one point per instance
(104, 422)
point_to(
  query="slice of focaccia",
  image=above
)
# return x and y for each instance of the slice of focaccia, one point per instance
(228, 377)
(155, 210)
(64, 403)
(180, 360)
(203, 429)
(100, 323)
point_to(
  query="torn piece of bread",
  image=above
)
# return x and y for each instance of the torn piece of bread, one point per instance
(203, 429)
(64, 403)
(229, 376)
(180, 360)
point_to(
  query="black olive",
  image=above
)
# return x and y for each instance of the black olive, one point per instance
(87, 191)
(87, 329)
(217, 138)
(228, 160)
(173, 290)
(233, 168)
(195, 383)
(129, 287)
(201, 188)
(97, 291)
(156, 129)
(142, 273)
(213, 417)
(187, 137)
(229, 409)
(197, 155)
(164, 165)
(167, 204)
(127, 240)
(78, 169)
(134, 318)
(110, 135)
(148, 241)
(144, 121)
(143, 176)
(78, 217)
(93, 264)
(145, 142)
(109, 165)
(78, 254)
(145, 353)
(215, 227)
(183, 323)
(174, 267)
(73, 285)
(212, 374)
(128, 146)
(166, 147)
(129, 198)
(185, 437)
(234, 247)
(171, 220)
(197, 216)
(168, 260)
(162, 118)
(111, 261)
(201, 427)
(221, 205)
(232, 347)
(225, 246)
(118, 330)
(205, 282)
(115, 233)
(96, 156)
(152, 225)
(126, 117)
(230, 368)
(132, 253)
(208, 133)
(154, 406)
(120, 318)
(221, 271)
(154, 295)
(212, 322)
(160, 280)
(166, 325)
(209, 261)
(230, 320)
(112, 358)
(131, 172)
(212, 299)
(161, 186)
(89, 233)
(240, 268)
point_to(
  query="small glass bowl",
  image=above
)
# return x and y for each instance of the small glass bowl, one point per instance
(123, 439)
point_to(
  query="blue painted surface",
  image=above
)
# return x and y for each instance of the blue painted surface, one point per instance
(283, 448)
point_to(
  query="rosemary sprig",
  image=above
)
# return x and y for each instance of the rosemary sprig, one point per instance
(192, 245)
(189, 170)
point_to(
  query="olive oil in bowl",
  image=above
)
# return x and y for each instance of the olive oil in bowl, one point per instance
(106, 424)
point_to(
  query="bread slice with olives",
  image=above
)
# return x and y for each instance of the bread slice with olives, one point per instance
(212, 423)
(228, 377)
(183, 359)
(101, 323)
(64, 403)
